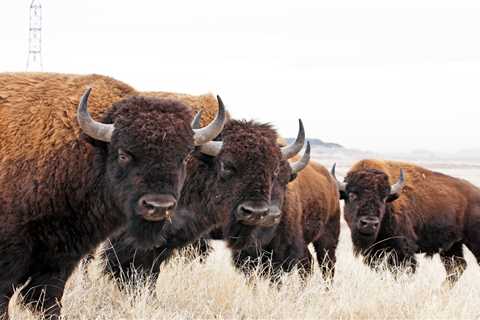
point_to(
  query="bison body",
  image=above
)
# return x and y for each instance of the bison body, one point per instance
(432, 213)
(310, 214)
(62, 191)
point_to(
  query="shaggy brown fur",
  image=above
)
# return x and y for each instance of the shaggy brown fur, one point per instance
(207, 103)
(63, 192)
(434, 213)
(243, 171)
(310, 214)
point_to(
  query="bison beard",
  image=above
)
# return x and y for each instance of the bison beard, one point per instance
(145, 234)
(243, 236)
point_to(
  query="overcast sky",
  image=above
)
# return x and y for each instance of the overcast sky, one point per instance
(373, 75)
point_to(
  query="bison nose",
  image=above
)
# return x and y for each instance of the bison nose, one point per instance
(273, 216)
(252, 210)
(155, 207)
(368, 224)
(275, 213)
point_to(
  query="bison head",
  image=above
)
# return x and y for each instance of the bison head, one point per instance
(252, 173)
(366, 194)
(141, 146)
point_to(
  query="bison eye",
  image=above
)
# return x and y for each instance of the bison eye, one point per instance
(226, 170)
(123, 157)
(352, 196)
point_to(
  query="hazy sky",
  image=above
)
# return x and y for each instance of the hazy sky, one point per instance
(375, 75)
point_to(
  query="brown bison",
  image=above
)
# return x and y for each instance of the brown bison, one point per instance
(247, 179)
(63, 191)
(310, 214)
(402, 209)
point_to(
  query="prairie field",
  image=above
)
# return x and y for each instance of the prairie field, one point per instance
(189, 289)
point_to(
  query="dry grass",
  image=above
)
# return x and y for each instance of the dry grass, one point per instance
(188, 290)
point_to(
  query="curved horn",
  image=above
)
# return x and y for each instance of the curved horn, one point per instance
(96, 130)
(303, 162)
(209, 132)
(294, 148)
(196, 120)
(211, 148)
(397, 187)
(342, 186)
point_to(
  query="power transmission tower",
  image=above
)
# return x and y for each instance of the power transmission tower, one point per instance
(34, 60)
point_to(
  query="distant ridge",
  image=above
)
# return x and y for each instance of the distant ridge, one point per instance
(320, 143)
(337, 151)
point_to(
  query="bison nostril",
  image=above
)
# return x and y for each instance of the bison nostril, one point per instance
(246, 210)
(151, 204)
(368, 223)
(147, 205)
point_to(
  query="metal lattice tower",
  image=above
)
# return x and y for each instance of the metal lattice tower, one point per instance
(34, 60)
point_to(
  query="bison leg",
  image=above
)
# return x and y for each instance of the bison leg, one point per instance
(128, 265)
(45, 290)
(7, 287)
(246, 263)
(454, 263)
(305, 265)
(398, 261)
(325, 247)
(300, 257)
(14, 264)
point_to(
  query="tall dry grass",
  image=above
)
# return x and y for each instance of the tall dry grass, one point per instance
(191, 290)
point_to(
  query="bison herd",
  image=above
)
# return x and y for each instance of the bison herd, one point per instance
(88, 158)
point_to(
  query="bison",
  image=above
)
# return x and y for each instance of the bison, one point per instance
(310, 214)
(68, 181)
(397, 209)
(245, 176)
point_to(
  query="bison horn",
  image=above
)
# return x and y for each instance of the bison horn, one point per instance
(196, 120)
(96, 130)
(211, 148)
(303, 162)
(397, 187)
(342, 186)
(292, 149)
(209, 132)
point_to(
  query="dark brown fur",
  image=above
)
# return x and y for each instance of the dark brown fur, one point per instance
(62, 193)
(310, 214)
(434, 213)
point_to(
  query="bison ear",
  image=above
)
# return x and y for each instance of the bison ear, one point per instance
(343, 195)
(393, 197)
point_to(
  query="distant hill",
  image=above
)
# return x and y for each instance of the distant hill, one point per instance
(331, 150)
(320, 143)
